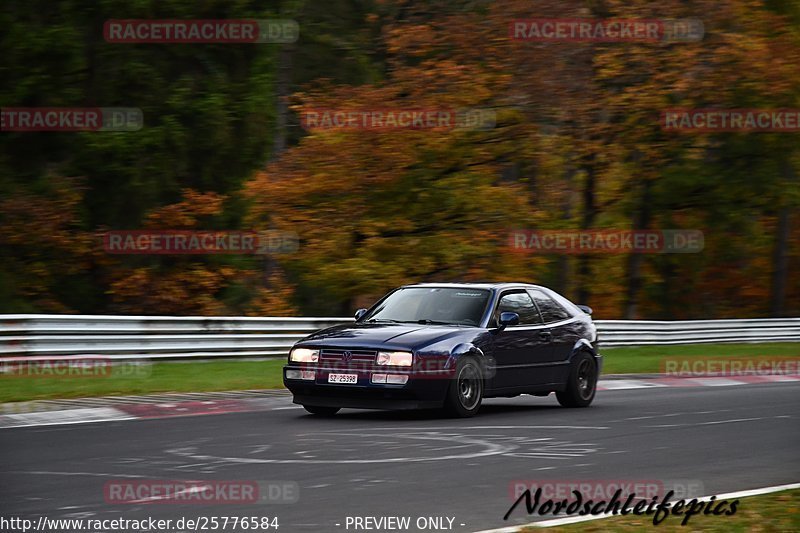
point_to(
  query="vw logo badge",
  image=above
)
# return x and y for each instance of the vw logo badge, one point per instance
(347, 357)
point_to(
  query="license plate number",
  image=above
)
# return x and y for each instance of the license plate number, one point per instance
(350, 379)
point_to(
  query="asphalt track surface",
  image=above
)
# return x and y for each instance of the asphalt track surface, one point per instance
(415, 464)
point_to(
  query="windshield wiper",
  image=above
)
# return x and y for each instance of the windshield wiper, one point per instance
(424, 321)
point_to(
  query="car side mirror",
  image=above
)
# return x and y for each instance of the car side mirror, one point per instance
(361, 312)
(585, 308)
(508, 318)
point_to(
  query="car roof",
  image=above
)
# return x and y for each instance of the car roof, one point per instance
(475, 285)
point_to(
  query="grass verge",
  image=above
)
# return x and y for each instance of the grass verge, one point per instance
(648, 359)
(238, 375)
(163, 377)
(776, 512)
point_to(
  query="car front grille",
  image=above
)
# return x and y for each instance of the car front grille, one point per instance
(357, 356)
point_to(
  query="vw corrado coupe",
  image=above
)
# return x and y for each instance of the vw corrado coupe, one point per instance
(449, 346)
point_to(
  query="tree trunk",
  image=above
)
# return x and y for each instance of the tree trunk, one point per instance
(282, 83)
(641, 221)
(780, 254)
(563, 284)
(589, 215)
(780, 262)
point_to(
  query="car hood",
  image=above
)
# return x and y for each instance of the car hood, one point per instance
(409, 336)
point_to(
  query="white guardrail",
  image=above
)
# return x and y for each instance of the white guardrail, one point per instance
(155, 337)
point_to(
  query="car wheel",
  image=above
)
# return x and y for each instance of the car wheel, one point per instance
(581, 384)
(321, 411)
(465, 393)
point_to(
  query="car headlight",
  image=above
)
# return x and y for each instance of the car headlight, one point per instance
(304, 355)
(394, 358)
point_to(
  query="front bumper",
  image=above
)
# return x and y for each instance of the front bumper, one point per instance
(422, 391)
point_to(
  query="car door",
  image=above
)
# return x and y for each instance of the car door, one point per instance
(559, 326)
(519, 351)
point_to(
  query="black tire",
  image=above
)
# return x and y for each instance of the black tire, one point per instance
(465, 393)
(321, 411)
(581, 384)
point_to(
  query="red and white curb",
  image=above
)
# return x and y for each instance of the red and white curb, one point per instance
(112, 409)
(114, 414)
(120, 408)
(65, 417)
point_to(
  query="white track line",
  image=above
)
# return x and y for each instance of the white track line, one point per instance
(623, 384)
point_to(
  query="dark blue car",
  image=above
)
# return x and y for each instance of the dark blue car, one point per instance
(445, 345)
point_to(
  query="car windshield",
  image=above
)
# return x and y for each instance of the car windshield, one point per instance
(432, 305)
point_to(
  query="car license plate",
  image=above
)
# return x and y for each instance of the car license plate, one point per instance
(349, 379)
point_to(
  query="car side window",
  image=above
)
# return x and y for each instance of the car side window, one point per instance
(520, 303)
(551, 311)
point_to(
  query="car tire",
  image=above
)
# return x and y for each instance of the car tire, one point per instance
(581, 384)
(321, 411)
(465, 393)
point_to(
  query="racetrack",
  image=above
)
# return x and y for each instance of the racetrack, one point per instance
(364, 463)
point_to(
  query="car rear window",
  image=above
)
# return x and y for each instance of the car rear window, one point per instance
(551, 311)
